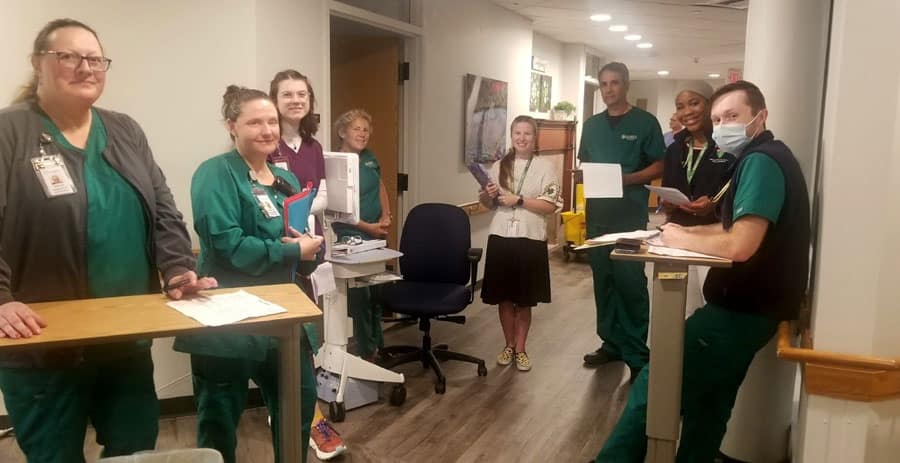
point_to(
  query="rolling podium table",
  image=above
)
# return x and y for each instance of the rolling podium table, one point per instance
(350, 271)
(670, 278)
(97, 321)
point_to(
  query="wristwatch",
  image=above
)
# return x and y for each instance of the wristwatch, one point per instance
(521, 201)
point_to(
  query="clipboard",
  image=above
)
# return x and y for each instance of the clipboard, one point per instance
(482, 177)
(296, 210)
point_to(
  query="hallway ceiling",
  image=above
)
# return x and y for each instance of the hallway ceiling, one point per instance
(691, 38)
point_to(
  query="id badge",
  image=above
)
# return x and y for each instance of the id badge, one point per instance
(512, 228)
(282, 163)
(265, 204)
(53, 175)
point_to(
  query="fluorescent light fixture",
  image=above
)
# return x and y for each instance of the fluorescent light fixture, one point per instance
(715, 76)
(645, 45)
(618, 28)
(662, 73)
(600, 17)
(633, 37)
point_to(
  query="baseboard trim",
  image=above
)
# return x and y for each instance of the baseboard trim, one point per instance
(174, 407)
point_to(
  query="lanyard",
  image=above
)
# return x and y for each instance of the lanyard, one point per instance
(691, 164)
(522, 179)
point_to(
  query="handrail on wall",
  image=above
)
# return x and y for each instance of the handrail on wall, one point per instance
(808, 354)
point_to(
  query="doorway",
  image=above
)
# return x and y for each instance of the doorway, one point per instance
(366, 65)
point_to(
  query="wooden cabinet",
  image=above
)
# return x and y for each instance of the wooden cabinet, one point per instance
(556, 142)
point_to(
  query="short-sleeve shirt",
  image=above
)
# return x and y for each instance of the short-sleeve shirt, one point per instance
(635, 142)
(540, 182)
(369, 195)
(760, 190)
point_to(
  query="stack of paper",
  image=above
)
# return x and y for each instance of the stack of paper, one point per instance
(675, 252)
(366, 245)
(611, 238)
(227, 308)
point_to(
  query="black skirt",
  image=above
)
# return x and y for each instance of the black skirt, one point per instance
(517, 270)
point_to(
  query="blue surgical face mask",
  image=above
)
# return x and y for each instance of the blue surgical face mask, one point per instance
(732, 138)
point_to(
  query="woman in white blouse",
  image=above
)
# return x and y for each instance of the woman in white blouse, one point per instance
(523, 190)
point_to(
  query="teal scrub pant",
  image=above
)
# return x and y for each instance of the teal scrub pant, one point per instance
(220, 389)
(719, 345)
(50, 407)
(623, 306)
(366, 321)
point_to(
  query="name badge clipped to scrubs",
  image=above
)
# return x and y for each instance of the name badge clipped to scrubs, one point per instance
(51, 170)
(265, 203)
(512, 228)
(281, 162)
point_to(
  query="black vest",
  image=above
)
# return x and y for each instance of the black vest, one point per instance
(773, 281)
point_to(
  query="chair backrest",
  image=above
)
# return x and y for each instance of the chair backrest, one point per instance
(435, 244)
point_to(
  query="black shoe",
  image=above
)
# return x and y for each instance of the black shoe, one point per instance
(600, 357)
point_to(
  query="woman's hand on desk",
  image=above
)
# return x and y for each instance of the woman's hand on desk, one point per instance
(309, 244)
(17, 320)
(188, 283)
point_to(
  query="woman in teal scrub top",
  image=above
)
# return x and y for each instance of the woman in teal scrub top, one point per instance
(238, 201)
(354, 128)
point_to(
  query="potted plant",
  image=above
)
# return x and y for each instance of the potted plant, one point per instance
(563, 111)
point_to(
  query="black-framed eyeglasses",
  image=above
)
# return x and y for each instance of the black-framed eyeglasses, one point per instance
(73, 60)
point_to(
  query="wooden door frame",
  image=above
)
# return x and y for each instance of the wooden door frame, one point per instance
(410, 93)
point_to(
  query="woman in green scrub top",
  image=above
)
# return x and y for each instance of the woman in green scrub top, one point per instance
(354, 128)
(238, 199)
(84, 213)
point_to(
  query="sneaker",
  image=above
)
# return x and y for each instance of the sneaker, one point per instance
(506, 357)
(600, 357)
(522, 361)
(326, 441)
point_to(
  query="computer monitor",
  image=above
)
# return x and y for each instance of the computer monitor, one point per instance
(342, 179)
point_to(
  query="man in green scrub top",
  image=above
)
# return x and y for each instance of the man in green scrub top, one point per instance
(630, 137)
(765, 230)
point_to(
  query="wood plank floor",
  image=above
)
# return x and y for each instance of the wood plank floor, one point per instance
(558, 412)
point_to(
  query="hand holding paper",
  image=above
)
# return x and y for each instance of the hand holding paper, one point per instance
(602, 180)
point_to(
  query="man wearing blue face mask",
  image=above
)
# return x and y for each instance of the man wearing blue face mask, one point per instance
(765, 230)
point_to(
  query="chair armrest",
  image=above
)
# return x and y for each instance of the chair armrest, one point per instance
(474, 257)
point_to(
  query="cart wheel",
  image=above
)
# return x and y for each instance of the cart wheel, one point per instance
(398, 395)
(336, 411)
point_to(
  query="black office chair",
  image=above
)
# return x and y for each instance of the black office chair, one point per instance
(439, 272)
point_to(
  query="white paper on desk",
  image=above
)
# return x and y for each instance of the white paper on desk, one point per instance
(323, 279)
(669, 195)
(675, 252)
(223, 309)
(611, 238)
(602, 180)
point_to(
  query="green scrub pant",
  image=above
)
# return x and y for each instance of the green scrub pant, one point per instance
(623, 306)
(366, 321)
(220, 389)
(719, 345)
(50, 407)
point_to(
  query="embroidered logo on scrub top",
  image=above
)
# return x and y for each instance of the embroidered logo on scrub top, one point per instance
(370, 164)
(629, 137)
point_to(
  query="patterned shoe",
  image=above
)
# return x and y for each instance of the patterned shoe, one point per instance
(326, 441)
(506, 357)
(522, 361)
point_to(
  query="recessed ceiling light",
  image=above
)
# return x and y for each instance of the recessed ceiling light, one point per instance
(645, 45)
(633, 37)
(662, 73)
(714, 76)
(618, 28)
(600, 17)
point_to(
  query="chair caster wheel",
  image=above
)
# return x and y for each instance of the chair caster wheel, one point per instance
(336, 412)
(398, 395)
(482, 370)
(440, 387)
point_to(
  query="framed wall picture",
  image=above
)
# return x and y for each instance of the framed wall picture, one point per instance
(485, 103)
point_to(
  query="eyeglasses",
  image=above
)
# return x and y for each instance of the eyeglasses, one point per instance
(73, 60)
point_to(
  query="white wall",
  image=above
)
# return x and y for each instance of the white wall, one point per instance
(551, 52)
(474, 37)
(171, 63)
(855, 304)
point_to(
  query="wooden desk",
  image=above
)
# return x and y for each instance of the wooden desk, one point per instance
(98, 321)
(670, 278)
